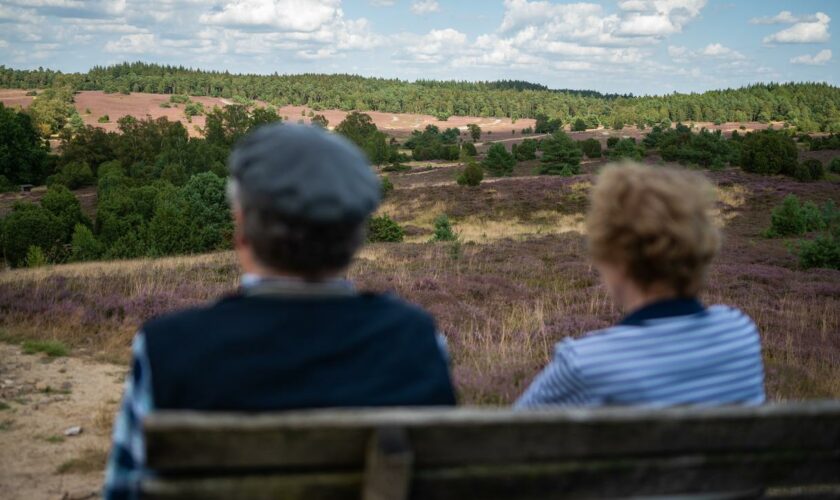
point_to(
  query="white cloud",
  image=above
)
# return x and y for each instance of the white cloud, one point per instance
(435, 45)
(284, 15)
(139, 43)
(783, 17)
(382, 3)
(819, 59)
(720, 51)
(657, 17)
(682, 54)
(424, 6)
(803, 32)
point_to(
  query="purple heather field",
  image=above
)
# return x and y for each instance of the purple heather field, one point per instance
(517, 283)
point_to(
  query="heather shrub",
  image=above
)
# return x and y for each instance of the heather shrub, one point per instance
(472, 174)
(383, 229)
(834, 166)
(443, 229)
(104, 119)
(612, 141)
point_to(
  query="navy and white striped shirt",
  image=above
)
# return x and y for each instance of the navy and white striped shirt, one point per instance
(674, 352)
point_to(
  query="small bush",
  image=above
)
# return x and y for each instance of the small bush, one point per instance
(165, 104)
(183, 99)
(383, 229)
(498, 161)
(579, 125)
(387, 186)
(591, 148)
(792, 218)
(84, 245)
(626, 148)
(52, 348)
(823, 252)
(815, 169)
(468, 148)
(104, 119)
(612, 141)
(73, 176)
(396, 167)
(35, 257)
(443, 229)
(472, 174)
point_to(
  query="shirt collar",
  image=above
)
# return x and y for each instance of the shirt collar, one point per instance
(663, 309)
(256, 285)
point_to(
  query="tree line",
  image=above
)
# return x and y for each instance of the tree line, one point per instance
(807, 106)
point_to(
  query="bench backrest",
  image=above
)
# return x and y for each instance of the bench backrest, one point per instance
(492, 454)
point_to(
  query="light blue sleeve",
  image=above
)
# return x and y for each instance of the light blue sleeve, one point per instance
(559, 384)
(125, 463)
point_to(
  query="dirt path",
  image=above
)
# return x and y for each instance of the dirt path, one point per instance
(43, 397)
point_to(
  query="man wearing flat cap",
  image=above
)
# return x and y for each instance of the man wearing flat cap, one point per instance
(297, 334)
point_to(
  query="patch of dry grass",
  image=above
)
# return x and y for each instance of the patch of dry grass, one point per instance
(91, 460)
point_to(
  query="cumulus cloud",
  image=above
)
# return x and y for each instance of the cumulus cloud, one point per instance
(719, 51)
(783, 17)
(803, 32)
(435, 45)
(138, 43)
(424, 6)
(285, 15)
(819, 59)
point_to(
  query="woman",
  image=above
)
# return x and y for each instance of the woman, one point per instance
(652, 237)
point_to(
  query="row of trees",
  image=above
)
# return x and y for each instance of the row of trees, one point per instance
(808, 106)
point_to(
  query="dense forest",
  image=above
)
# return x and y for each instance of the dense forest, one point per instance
(808, 106)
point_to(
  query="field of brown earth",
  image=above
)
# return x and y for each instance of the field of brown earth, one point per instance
(140, 105)
(399, 125)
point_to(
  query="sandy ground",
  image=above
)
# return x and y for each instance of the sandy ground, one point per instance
(45, 397)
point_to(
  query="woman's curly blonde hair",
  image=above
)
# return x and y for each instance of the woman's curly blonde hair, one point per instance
(656, 223)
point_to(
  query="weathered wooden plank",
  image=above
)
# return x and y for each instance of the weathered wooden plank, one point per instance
(336, 486)
(592, 479)
(338, 438)
(389, 464)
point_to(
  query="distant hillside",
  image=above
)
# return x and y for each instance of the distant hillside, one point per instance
(808, 106)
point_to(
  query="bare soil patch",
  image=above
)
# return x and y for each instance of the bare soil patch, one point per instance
(14, 98)
(44, 397)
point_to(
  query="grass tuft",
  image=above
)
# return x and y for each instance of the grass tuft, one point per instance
(91, 460)
(52, 348)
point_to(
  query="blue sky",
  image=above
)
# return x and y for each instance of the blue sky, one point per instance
(638, 46)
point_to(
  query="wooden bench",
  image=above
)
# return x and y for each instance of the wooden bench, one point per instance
(486, 454)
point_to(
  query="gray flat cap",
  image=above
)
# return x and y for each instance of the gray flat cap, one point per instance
(305, 172)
